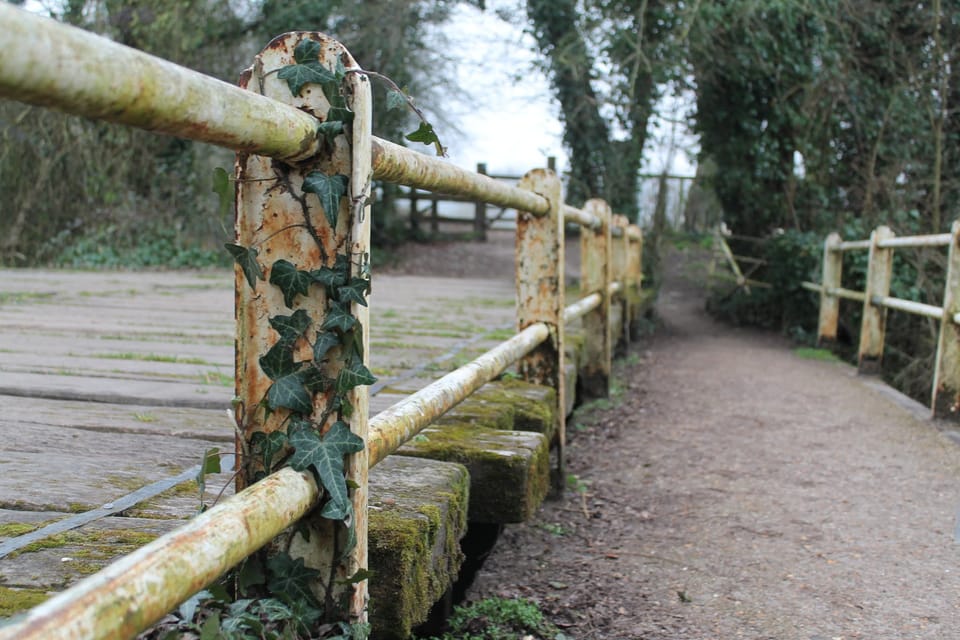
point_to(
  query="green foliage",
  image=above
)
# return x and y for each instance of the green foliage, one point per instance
(426, 135)
(324, 455)
(500, 619)
(112, 247)
(329, 189)
(246, 258)
(306, 69)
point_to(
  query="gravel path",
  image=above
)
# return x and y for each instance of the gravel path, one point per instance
(737, 490)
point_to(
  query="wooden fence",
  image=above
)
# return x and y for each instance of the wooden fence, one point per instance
(302, 193)
(876, 301)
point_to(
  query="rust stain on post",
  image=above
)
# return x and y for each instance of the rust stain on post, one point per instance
(540, 293)
(873, 327)
(595, 276)
(283, 222)
(946, 379)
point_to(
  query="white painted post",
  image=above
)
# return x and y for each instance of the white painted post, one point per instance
(540, 295)
(830, 279)
(946, 379)
(595, 268)
(292, 232)
(873, 327)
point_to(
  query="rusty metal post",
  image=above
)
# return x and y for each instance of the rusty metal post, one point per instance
(830, 280)
(480, 211)
(946, 379)
(593, 378)
(540, 295)
(873, 328)
(618, 271)
(634, 278)
(294, 236)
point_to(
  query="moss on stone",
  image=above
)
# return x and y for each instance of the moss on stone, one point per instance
(481, 414)
(91, 544)
(16, 600)
(533, 405)
(14, 529)
(418, 515)
(505, 467)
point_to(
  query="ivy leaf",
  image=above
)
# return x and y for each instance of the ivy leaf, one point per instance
(290, 579)
(268, 445)
(354, 292)
(395, 100)
(325, 456)
(329, 189)
(288, 392)
(326, 340)
(330, 129)
(307, 69)
(278, 361)
(247, 259)
(426, 135)
(328, 277)
(315, 380)
(307, 51)
(251, 571)
(290, 280)
(340, 114)
(291, 327)
(353, 374)
(359, 576)
(338, 317)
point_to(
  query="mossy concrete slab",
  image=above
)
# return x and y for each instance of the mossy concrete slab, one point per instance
(418, 513)
(509, 470)
(481, 414)
(533, 406)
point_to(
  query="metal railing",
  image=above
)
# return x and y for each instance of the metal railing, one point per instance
(262, 121)
(876, 300)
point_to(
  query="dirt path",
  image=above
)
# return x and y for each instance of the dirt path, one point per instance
(736, 490)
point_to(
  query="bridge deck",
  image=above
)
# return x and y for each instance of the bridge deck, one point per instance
(115, 382)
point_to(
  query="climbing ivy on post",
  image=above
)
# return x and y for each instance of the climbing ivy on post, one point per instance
(302, 282)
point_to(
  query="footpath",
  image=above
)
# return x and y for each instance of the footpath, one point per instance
(734, 489)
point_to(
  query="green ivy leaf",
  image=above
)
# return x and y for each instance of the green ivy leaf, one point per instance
(355, 291)
(329, 189)
(290, 579)
(315, 380)
(278, 361)
(328, 277)
(325, 457)
(251, 572)
(307, 69)
(340, 114)
(353, 374)
(291, 280)
(426, 135)
(288, 392)
(330, 129)
(326, 340)
(291, 327)
(395, 100)
(268, 445)
(247, 259)
(338, 317)
(359, 576)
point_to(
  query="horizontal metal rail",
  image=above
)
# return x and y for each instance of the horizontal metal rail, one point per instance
(853, 244)
(49, 64)
(392, 427)
(393, 163)
(917, 308)
(582, 307)
(935, 240)
(137, 590)
(847, 294)
(578, 216)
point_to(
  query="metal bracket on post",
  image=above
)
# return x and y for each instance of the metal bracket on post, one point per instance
(873, 327)
(830, 280)
(594, 376)
(540, 295)
(289, 229)
(946, 379)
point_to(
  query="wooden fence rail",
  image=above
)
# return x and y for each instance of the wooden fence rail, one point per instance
(280, 146)
(945, 402)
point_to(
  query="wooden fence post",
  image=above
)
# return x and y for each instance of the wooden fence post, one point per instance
(873, 328)
(540, 295)
(595, 269)
(634, 279)
(480, 212)
(618, 271)
(830, 279)
(946, 379)
(293, 342)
